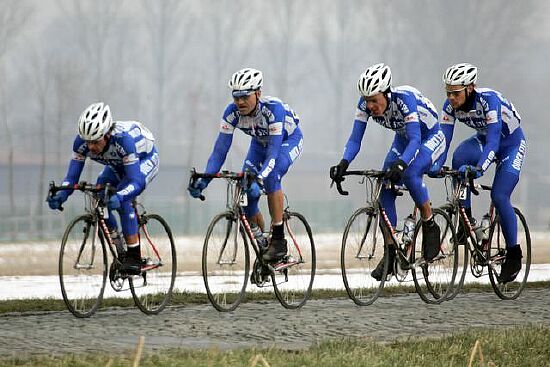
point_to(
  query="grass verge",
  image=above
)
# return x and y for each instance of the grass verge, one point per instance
(520, 346)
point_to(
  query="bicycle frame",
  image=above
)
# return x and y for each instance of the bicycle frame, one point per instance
(236, 199)
(374, 183)
(456, 192)
(94, 206)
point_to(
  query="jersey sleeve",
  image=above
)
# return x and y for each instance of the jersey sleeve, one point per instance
(353, 144)
(76, 165)
(493, 118)
(447, 123)
(224, 140)
(275, 128)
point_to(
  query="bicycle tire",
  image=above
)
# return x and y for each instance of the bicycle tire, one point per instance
(225, 269)
(81, 278)
(152, 290)
(293, 283)
(362, 249)
(435, 280)
(511, 290)
(463, 255)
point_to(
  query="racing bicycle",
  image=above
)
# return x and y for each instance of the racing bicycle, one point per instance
(363, 247)
(84, 264)
(226, 251)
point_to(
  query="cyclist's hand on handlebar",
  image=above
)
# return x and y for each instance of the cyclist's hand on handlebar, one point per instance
(468, 171)
(195, 188)
(56, 201)
(395, 172)
(337, 172)
(435, 171)
(114, 202)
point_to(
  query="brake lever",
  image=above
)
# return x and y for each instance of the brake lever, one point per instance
(339, 188)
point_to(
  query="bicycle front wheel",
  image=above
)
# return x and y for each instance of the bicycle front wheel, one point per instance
(362, 250)
(152, 289)
(497, 254)
(225, 262)
(82, 266)
(434, 280)
(293, 278)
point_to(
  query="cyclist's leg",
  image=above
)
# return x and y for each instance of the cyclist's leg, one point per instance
(506, 178)
(109, 176)
(253, 162)
(428, 153)
(128, 218)
(387, 200)
(387, 196)
(468, 152)
(290, 150)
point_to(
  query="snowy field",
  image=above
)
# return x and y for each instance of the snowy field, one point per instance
(29, 270)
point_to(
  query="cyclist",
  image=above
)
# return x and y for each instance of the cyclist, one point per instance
(275, 145)
(417, 144)
(127, 150)
(498, 138)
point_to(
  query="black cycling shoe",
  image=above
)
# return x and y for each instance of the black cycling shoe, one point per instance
(276, 251)
(430, 240)
(131, 265)
(377, 272)
(511, 265)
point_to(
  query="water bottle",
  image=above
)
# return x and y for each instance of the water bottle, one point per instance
(408, 229)
(258, 235)
(482, 232)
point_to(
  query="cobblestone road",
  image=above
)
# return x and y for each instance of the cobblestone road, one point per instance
(264, 324)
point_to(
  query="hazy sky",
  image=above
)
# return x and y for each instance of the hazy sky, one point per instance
(167, 63)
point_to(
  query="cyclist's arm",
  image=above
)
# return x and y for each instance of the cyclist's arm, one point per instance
(447, 124)
(414, 137)
(412, 127)
(493, 119)
(223, 142)
(353, 144)
(76, 165)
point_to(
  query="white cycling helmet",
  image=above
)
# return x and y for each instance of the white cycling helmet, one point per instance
(245, 81)
(376, 79)
(95, 121)
(460, 74)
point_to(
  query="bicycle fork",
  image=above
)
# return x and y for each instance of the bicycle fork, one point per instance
(77, 265)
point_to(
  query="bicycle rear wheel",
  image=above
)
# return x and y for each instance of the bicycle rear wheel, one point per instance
(434, 280)
(293, 278)
(497, 253)
(225, 262)
(152, 289)
(82, 266)
(362, 250)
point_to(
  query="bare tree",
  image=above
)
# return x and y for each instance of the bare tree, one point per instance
(341, 37)
(170, 26)
(41, 75)
(13, 18)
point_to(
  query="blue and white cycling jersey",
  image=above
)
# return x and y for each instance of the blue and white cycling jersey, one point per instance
(271, 125)
(130, 153)
(493, 117)
(412, 116)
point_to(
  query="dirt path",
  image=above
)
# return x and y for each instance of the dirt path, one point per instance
(265, 324)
